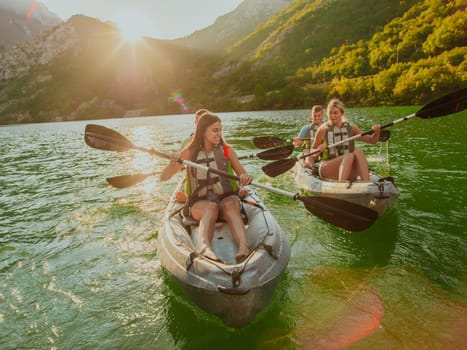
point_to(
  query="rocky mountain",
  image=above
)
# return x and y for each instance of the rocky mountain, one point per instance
(21, 20)
(234, 25)
(306, 51)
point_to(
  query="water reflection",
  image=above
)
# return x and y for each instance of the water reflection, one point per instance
(78, 266)
(341, 307)
(375, 246)
(192, 328)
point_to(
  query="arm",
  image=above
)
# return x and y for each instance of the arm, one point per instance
(303, 134)
(174, 166)
(317, 145)
(373, 138)
(245, 178)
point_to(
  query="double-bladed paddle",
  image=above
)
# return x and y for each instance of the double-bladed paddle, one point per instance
(110, 140)
(349, 216)
(274, 141)
(448, 104)
(123, 181)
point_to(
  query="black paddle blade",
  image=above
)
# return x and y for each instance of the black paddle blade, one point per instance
(267, 141)
(384, 136)
(278, 167)
(124, 181)
(276, 153)
(448, 104)
(340, 213)
(100, 137)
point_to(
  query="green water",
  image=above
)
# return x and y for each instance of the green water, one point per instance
(79, 266)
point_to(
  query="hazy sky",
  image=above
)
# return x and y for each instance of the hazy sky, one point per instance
(162, 19)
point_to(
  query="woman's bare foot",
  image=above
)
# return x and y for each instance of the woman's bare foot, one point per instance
(242, 254)
(208, 253)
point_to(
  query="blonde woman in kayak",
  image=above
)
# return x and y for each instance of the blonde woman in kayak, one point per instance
(343, 162)
(212, 196)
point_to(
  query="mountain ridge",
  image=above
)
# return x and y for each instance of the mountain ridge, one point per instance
(303, 53)
(16, 26)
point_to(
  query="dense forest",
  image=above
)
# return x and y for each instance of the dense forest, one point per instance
(416, 55)
(386, 52)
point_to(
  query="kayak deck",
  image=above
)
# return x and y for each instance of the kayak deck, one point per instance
(377, 194)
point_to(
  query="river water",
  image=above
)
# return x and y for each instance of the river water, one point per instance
(79, 266)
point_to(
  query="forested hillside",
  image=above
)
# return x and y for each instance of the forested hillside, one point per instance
(386, 52)
(413, 57)
(382, 52)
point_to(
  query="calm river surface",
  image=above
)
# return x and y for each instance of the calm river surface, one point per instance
(79, 267)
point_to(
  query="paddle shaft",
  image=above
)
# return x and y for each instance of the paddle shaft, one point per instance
(448, 104)
(346, 215)
(236, 177)
(215, 171)
(250, 156)
(369, 132)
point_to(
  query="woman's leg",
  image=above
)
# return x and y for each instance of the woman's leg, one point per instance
(360, 166)
(206, 213)
(346, 166)
(330, 168)
(231, 213)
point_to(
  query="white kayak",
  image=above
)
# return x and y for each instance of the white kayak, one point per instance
(233, 292)
(378, 194)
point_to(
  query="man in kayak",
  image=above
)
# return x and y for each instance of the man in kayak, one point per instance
(210, 196)
(342, 162)
(308, 132)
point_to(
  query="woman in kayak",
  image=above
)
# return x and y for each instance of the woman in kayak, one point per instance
(342, 162)
(212, 196)
(198, 115)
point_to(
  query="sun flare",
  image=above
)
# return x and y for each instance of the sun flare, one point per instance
(133, 25)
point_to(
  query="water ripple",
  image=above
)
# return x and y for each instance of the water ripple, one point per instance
(78, 259)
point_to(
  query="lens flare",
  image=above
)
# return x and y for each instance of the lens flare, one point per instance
(31, 10)
(177, 97)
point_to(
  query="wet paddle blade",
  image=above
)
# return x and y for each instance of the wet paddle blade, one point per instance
(267, 141)
(124, 181)
(276, 153)
(340, 213)
(445, 105)
(278, 167)
(384, 136)
(100, 137)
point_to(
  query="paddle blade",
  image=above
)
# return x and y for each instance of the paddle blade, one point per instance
(384, 136)
(276, 153)
(100, 137)
(278, 167)
(124, 181)
(267, 141)
(340, 213)
(448, 104)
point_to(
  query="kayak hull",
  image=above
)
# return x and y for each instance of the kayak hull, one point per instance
(378, 194)
(233, 292)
